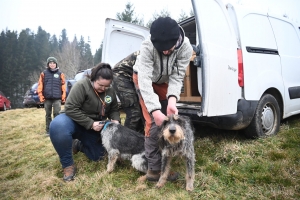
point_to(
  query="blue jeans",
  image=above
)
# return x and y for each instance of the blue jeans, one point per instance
(63, 129)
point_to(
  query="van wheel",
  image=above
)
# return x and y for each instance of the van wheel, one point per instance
(266, 119)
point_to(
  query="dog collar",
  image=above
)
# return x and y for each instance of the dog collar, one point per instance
(105, 125)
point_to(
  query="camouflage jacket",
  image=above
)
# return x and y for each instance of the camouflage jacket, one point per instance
(125, 66)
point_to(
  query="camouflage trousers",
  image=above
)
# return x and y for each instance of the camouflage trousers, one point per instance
(125, 90)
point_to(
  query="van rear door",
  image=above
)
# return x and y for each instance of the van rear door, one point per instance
(218, 44)
(121, 39)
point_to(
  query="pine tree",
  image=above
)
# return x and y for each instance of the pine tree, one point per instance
(42, 46)
(8, 80)
(128, 15)
(54, 46)
(98, 55)
(85, 54)
(63, 39)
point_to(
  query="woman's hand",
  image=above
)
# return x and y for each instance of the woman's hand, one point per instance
(97, 126)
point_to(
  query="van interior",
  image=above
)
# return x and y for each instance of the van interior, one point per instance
(189, 91)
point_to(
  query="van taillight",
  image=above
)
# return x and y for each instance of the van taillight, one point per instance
(241, 68)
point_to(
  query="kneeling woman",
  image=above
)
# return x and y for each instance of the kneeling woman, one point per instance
(90, 101)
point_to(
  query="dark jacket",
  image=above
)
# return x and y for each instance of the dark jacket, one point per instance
(84, 106)
(51, 85)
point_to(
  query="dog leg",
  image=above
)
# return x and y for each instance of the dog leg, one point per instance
(190, 173)
(112, 159)
(165, 170)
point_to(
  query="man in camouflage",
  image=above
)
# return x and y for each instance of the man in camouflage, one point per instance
(125, 90)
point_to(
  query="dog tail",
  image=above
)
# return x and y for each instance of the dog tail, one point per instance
(139, 162)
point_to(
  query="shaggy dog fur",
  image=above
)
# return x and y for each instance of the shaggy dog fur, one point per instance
(121, 142)
(176, 139)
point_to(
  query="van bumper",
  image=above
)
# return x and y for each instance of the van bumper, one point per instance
(240, 120)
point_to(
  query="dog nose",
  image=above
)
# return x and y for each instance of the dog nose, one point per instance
(172, 129)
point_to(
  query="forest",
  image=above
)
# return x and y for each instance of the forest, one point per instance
(23, 55)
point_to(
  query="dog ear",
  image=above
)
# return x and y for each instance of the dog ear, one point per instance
(175, 117)
(167, 118)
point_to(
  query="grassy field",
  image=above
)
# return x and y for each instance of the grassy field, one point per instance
(228, 166)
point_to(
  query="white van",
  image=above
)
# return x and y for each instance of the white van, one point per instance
(246, 74)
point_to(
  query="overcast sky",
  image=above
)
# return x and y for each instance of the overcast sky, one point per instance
(87, 17)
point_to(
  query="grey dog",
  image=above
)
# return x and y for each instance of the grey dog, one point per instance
(176, 139)
(121, 142)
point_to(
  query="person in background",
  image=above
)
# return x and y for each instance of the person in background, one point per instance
(77, 128)
(125, 90)
(158, 74)
(51, 90)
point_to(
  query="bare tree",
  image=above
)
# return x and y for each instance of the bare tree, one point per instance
(192, 13)
(34, 76)
(69, 60)
(182, 16)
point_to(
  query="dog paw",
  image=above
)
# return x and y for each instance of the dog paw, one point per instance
(159, 185)
(189, 188)
(189, 184)
(142, 179)
(109, 170)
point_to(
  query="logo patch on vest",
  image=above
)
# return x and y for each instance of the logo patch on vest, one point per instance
(107, 99)
(56, 75)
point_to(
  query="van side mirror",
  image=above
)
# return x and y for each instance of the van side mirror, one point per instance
(197, 59)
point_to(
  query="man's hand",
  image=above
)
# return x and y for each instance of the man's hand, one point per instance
(172, 109)
(159, 117)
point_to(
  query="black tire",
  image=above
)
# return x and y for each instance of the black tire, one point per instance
(266, 119)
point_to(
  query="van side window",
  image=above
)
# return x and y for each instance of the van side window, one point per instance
(288, 41)
(257, 32)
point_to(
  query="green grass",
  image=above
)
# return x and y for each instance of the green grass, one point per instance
(228, 166)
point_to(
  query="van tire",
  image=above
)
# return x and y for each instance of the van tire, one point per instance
(266, 119)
